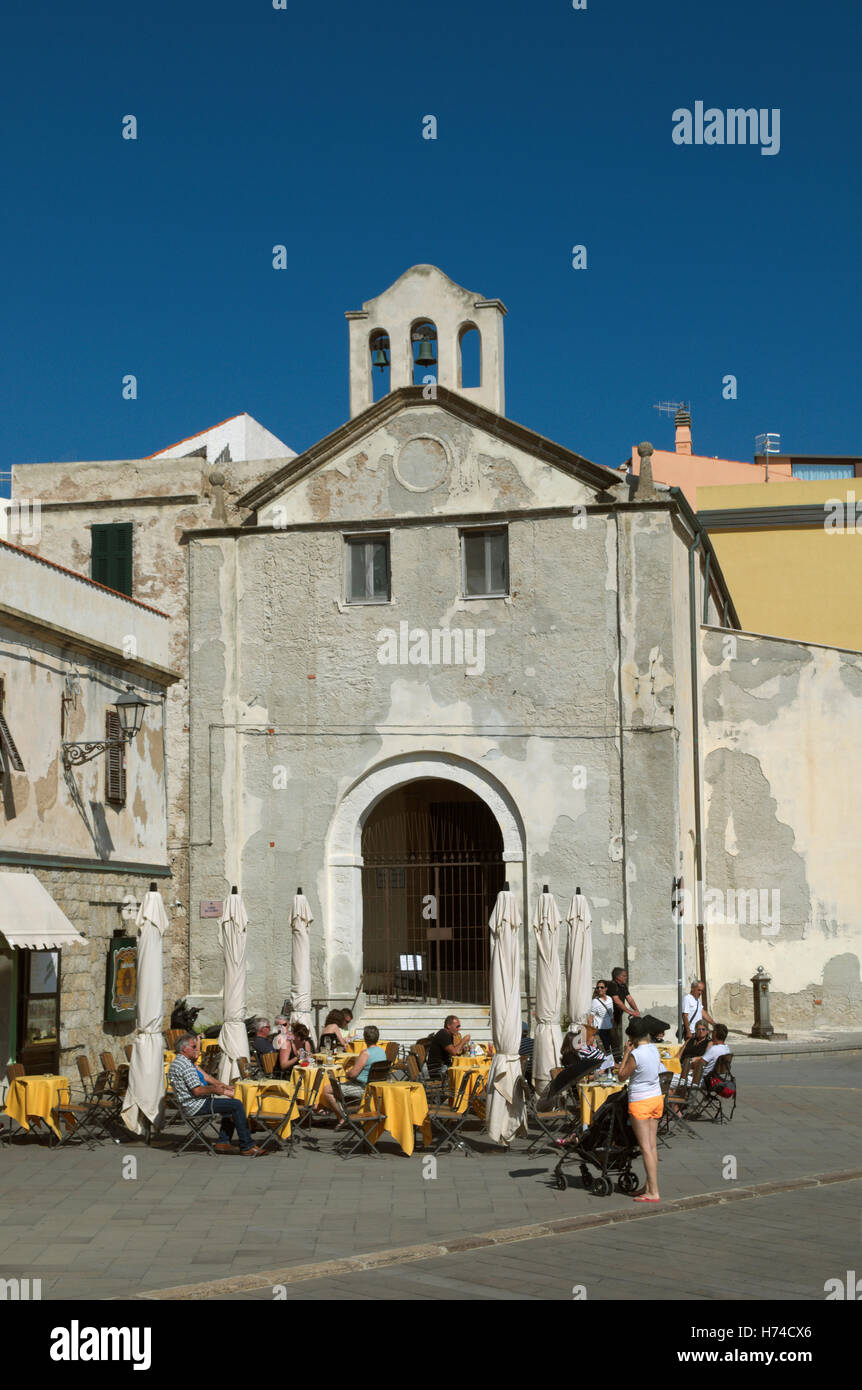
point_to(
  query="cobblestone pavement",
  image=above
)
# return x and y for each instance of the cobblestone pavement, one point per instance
(69, 1217)
(781, 1247)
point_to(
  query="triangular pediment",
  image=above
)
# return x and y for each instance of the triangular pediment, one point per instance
(408, 455)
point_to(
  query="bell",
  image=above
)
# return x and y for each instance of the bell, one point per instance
(425, 356)
(380, 358)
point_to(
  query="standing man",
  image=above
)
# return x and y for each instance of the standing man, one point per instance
(623, 1003)
(693, 1010)
(198, 1093)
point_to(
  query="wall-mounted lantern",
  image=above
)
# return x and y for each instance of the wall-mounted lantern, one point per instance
(130, 711)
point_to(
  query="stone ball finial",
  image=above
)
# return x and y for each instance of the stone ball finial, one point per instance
(217, 478)
(645, 449)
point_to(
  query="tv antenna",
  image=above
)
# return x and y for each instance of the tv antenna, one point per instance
(671, 407)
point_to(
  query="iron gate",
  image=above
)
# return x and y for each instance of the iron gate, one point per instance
(430, 877)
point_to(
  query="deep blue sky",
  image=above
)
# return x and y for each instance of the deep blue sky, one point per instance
(303, 126)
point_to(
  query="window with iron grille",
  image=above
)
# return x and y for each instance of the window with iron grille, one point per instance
(485, 563)
(115, 761)
(367, 569)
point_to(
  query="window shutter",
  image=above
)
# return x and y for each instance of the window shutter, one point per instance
(111, 556)
(8, 745)
(115, 762)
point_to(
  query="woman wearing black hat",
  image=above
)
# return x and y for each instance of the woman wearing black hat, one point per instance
(641, 1067)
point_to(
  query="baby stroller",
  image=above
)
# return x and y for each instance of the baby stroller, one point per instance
(609, 1145)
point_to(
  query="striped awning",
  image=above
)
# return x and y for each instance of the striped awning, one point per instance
(30, 918)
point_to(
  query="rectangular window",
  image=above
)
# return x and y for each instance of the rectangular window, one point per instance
(367, 569)
(111, 556)
(39, 1011)
(485, 563)
(115, 761)
(818, 472)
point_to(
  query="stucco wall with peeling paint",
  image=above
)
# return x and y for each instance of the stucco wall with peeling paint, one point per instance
(783, 789)
(288, 686)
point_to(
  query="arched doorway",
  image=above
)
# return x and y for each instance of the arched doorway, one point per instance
(432, 854)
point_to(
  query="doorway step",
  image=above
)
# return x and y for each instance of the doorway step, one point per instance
(404, 1023)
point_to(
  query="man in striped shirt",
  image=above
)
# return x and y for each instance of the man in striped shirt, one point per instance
(197, 1094)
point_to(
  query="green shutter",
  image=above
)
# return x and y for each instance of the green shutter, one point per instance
(111, 556)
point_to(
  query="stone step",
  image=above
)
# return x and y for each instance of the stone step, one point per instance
(403, 1023)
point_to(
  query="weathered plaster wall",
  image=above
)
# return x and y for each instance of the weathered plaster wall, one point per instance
(783, 777)
(74, 497)
(424, 462)
(49, 809)
(279, 658)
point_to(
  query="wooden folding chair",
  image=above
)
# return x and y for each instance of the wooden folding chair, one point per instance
(305, 1110)
(550, 1122)
(203, 1127)
(274, 1121)
(92, 1117)
(707, 1103)
(447, 1119)
(358, 1125)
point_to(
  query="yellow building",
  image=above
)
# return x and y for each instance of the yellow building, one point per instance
(791, 553)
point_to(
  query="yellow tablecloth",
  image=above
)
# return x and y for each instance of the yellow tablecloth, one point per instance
(404, 1104)
(670, 1057)
(593, 1096)
(36, 1095)
(359, 1046)
(479, 1067)
(207, 1043)
(247, 1092)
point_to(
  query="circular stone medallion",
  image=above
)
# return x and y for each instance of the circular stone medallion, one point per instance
(422, 464)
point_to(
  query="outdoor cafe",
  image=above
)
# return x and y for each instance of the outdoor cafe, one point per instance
(440, 1094)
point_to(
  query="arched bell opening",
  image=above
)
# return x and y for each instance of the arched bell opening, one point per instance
(469, 356)
(380, 358)
(423, 345)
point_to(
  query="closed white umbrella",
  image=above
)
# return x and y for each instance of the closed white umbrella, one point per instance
(145, 1094)
(233, 936)
(505, 1108)
(548, 1039)
(300, 959)
(579, 963)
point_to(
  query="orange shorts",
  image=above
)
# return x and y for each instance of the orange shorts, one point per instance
(650, 1109)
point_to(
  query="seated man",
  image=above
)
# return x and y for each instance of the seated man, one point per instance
(262, 1042)
(445, 1045)
(199, 1094)
(526, 1050)
(356, 1079)
(702, 1067)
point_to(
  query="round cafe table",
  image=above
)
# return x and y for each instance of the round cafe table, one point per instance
(36, 1097)
(405, 1107)
(593, 1094)
(247, 1092)
(670, 1056)
(478, 1067)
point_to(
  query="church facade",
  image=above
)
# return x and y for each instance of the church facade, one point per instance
(443, 653)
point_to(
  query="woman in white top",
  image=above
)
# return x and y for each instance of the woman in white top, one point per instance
(602, 1014)
(641, 1067)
